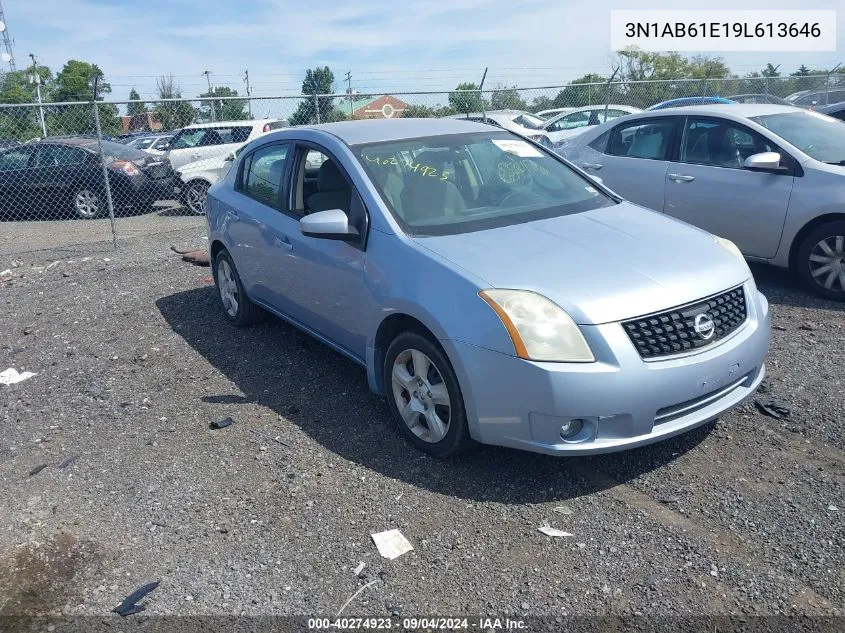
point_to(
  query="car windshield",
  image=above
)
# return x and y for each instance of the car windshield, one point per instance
(118, 150)
(444, 185)
(819, 136)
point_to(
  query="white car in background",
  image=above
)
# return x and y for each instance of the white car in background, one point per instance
(216, 140)
(548, 114)
(523, 123)
(569, 124)
(196, 178)
(153, 143)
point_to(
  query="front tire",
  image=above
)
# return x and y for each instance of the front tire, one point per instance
(196, 196)
(820, 262)
(236, 305)
(424, 396)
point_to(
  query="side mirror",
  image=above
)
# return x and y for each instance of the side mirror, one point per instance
(230, 157)
(764, 161)
(328, 225)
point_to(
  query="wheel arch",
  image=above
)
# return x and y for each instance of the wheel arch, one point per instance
(389, 328)
(806, 229)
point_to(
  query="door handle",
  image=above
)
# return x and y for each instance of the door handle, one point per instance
(283, 241)
(681, 178)
(232, 213)
(591, 165)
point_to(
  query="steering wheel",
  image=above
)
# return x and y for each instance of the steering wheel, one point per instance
(511, 171)
(517, 198)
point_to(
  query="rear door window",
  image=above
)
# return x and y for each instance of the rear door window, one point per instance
(59, 155)
(650, 139)
(17, 158)
(261, 179)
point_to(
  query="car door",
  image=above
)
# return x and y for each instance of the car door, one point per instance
(634, 159)
(16, 176)
(709, 187)
(60, 170)
(328, 290)
(252, 221)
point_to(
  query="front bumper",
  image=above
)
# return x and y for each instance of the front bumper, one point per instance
(622, 400)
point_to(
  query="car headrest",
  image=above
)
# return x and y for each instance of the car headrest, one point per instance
(330, 178)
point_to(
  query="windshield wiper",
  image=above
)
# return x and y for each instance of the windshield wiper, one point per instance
(836, 162)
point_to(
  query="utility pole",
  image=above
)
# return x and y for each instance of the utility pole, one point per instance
(349, 90)
(8, 56)
(207, 74)
(248, 93)
(36, 79)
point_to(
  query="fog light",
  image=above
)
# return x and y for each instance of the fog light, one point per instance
(571, 428)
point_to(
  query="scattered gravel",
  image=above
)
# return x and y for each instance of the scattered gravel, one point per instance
(273, 514)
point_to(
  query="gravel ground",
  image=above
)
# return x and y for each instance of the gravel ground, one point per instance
(273, 514)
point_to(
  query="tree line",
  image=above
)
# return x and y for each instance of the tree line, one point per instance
(77, 79)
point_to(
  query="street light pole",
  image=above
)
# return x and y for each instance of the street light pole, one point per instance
(207, 74)
(36, 79)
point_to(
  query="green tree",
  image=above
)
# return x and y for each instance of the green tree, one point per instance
(802, 71)
(225, 110)
(21, 124)
(173, 114)
(414, 111)
(505, 98)
(75, 82)
(134, 109)
(318, 81)
(770, 71)
(466, 98)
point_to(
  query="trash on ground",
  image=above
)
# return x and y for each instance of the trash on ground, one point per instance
(221, 424)
(833, 508)
(130, 603)
(37, 469)
(772, 409)
(195, 256)
(3, 273)
(266, 435)
(70, 461)
(359, 568)
(208, 279)
(11, 376)
(352, 597)
(550, 531)
(563, 510)
(391, 544)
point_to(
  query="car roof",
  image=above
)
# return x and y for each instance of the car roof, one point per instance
(733, 110)
(252, 122)
(381, 130)
(833, 107)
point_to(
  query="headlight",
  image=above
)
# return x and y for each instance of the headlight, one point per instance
(729, 246)
(539, 329)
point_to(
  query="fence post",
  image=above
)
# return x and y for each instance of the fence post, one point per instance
(105, 168)
(317, 106)
(767, 85)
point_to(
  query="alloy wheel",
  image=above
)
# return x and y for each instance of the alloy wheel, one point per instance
(196, 197)
(421, 395)
(87, 204)
(228, 287)
(827, 263)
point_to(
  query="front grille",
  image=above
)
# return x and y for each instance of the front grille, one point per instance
(674, 331)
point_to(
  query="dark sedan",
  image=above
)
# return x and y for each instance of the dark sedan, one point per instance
(59, 176)
(836, 110)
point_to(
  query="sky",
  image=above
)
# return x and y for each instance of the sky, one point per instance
(388, 45)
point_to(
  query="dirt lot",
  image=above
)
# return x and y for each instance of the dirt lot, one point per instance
(134, 359)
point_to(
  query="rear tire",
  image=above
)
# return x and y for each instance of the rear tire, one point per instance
(424, 396)
(820, 261)
(88, 203)
(236, 305)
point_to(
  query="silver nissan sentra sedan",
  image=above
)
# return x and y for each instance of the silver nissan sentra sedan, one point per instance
(493, 292)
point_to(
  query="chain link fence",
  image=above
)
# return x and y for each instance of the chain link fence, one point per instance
(83, 172)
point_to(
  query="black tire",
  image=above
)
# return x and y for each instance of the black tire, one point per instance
(811, 247)
(243, 311)
(194, 198)
(88, 203)
(457, 438)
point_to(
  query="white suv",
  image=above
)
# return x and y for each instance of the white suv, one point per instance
(212, 140)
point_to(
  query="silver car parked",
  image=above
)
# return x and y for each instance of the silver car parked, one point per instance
(492, 292)
(770, 178)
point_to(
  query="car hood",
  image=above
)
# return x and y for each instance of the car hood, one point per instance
(601, 266)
